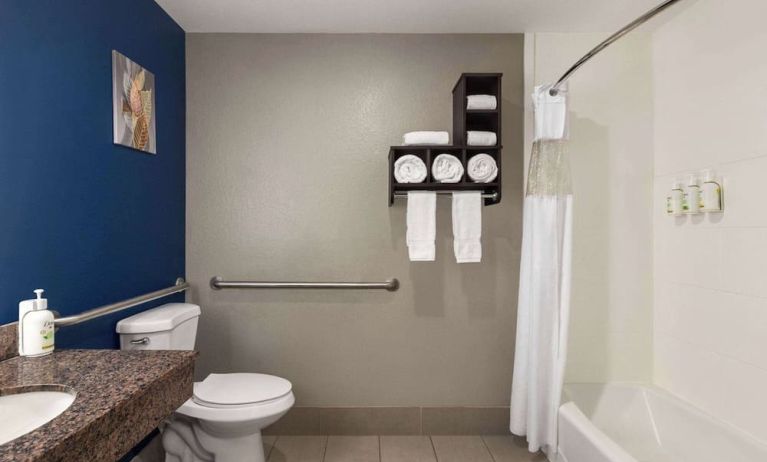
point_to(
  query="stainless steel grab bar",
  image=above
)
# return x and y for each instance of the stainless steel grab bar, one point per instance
(216, 283)
(181, 285)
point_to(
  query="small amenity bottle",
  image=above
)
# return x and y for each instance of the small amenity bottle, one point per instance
(711, 193)
(691, 197)
(35, 327)
(674, 201)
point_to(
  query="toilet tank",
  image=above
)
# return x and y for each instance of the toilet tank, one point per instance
(172, 326)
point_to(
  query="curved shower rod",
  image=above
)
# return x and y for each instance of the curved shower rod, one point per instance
(609, 41)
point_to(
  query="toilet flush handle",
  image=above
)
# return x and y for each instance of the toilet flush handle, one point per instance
(140, 341)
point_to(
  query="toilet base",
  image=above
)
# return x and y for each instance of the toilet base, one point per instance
(186, 440)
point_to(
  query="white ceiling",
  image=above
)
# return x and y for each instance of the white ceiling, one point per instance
(404, 16)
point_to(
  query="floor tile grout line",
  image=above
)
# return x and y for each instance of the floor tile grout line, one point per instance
(433, 449)
(487, 448)
(325, 448)
(379, 449)
(271, 448)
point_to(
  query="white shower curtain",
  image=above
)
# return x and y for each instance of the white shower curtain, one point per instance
(544, 280)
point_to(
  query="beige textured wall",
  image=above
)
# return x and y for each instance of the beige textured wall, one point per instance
(611, 158)
(287, 142)
(710, 292)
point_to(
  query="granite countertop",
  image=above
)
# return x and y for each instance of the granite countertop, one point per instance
(121, 397)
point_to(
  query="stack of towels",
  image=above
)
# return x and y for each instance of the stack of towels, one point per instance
(481, 102)
(447, 168)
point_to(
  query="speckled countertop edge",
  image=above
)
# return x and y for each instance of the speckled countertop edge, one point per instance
(121, 396)
(9, 341)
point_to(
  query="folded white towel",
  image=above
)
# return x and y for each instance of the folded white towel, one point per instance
(446, 168)
(421, 225)
(409, 169)
(478, 138)
(481, 102)
(421, 138)
(467, 226)
(482, 168)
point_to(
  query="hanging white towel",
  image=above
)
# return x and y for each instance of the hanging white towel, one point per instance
(482, 168)
(488, 102)
(467, 226)
(480, 138)
(446, 168)
(409, 169)
(426, 137)
(421, 225)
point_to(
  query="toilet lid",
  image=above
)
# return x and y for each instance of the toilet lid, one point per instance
(223, 390)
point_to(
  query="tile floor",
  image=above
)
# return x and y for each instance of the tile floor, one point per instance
(495, 448)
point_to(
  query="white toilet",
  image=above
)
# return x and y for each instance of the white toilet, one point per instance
(222, 421)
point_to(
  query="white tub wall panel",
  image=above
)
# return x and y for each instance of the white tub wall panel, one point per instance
(710, 290)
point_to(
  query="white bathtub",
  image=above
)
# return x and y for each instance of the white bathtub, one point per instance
(638, 423)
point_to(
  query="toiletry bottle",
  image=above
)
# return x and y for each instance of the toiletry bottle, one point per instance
(711, 193)
(35, 327)
(676, 198)
(691, 198)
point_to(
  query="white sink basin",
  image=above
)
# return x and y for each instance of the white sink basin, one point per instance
(23, 412)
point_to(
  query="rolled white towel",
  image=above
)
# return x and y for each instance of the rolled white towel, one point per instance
(409, 169)
(481, 102)
(479, 138)
(426, 137)
(482, 168)
(446, 168)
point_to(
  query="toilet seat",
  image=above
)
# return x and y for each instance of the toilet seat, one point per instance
(274, 398)
(239, 389)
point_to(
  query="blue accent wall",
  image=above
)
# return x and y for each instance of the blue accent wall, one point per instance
(86, 220)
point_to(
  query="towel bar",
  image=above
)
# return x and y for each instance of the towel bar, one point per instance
(493, 196)
(216, 283)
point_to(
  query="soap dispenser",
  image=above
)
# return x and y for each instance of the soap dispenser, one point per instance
(35, 327)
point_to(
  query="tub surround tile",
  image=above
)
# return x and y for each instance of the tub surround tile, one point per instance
(121, 397)
(352, 449)
(461, 449)
(407, 449)
(9, 341)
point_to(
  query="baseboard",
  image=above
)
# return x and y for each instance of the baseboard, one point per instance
(392, 421)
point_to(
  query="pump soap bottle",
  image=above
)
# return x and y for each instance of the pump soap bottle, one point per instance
(35, 327)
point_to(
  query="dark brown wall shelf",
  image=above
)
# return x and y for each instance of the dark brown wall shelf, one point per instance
(463, 120)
